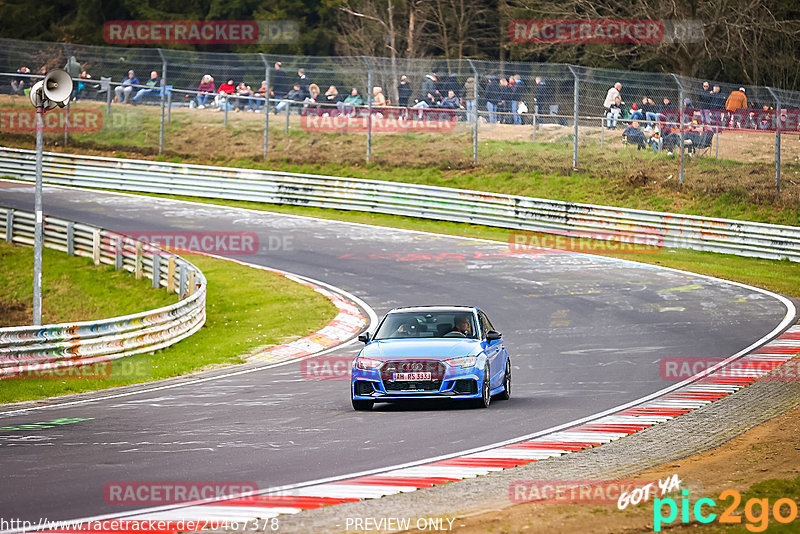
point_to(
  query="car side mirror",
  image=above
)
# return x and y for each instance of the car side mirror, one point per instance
(493, 335)
(364, 337)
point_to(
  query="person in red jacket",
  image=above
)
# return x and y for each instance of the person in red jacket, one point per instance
(228, 87)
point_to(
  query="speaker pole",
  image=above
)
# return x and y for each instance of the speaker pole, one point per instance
(38, 225)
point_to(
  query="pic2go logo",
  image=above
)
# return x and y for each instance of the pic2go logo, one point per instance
(326, 368)
(756, 511)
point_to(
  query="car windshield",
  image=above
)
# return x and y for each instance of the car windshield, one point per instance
(402, 325)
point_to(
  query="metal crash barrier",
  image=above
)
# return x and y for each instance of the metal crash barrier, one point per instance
(741, 238)
(53, 346)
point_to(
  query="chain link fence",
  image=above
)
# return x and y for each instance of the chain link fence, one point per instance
(452, 113)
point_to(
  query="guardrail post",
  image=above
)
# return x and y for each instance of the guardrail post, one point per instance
(118, 254)
(9, 225)
(70, 238)
(266, 105)
(182, 280)
(171, 274)
(156, 271)
(137, 269)
(96, 246)
(190, 288)
(574, 117)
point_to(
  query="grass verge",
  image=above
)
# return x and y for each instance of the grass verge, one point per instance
(246, 309)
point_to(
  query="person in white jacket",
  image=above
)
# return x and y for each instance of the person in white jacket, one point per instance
(611, 95)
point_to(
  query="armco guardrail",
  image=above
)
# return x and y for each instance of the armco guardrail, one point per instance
(33, 348)
(493, 209)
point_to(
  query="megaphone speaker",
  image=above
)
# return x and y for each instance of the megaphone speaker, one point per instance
(57, 86)
(37, 96)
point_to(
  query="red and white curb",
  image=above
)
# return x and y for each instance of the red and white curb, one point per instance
(724, 380)
(349, 320)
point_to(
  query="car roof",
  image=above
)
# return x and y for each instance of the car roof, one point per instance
(425, 309)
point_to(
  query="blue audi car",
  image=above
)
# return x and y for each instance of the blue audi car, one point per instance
(431, 352)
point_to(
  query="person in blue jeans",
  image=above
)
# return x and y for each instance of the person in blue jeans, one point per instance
(152, 86)
(123, 92)
(492, 92)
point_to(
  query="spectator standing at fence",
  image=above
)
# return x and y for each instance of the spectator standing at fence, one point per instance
(205, 90)
(20, 82)
(403, 91)
(303, 81)
(123, 92)
(492, 92)
(517, 94)
(541, 97)
(718, 104)
(469, 98)
(736, 100)
(504, 104)
(261, 93)
(278, 79)
(705, 103)
(152, 86)
(612, 93)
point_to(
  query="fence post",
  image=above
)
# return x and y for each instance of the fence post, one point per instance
(169, 106)
(602, 131)
(225, 102)
(574, 117)
(70, 238)
(9, 225)
(286, 128)
(533, 136)
(163, 99)
(266, 106)
(156, 271)
(108, 98)
(96, 246)
(171, 273)
(190, 284)
(474, 114)
(369, 107)
(680, 119)
(182, 280)
(777, 142)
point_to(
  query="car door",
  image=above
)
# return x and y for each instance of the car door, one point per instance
(494, 352)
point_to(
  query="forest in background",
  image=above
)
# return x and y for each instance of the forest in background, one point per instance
(754, 42)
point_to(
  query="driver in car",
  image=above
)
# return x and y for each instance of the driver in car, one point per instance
(462, 327)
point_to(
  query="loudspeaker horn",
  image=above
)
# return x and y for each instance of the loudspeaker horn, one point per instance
(54, 90)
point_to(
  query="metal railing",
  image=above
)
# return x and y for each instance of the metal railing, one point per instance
(53, 346)
(440, 203)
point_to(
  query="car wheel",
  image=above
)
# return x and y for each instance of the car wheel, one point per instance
(486, 396)
(362, 405)
(506, 394)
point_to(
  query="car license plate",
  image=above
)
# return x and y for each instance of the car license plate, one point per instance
(407, 377)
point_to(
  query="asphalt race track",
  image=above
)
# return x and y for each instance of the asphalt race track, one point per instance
(585, 334)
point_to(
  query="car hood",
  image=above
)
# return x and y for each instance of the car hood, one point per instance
(429, 349)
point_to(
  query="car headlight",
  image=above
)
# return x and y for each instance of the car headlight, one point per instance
(367, 363)
(466, 361)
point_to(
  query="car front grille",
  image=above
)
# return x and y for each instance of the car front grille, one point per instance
(434, 367)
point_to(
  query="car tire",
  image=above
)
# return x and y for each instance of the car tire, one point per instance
(506, 394)
(363, 405)
(486, 396)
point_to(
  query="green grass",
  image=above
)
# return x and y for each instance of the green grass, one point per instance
(780, 276)
(246, 309)
(70, 291)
